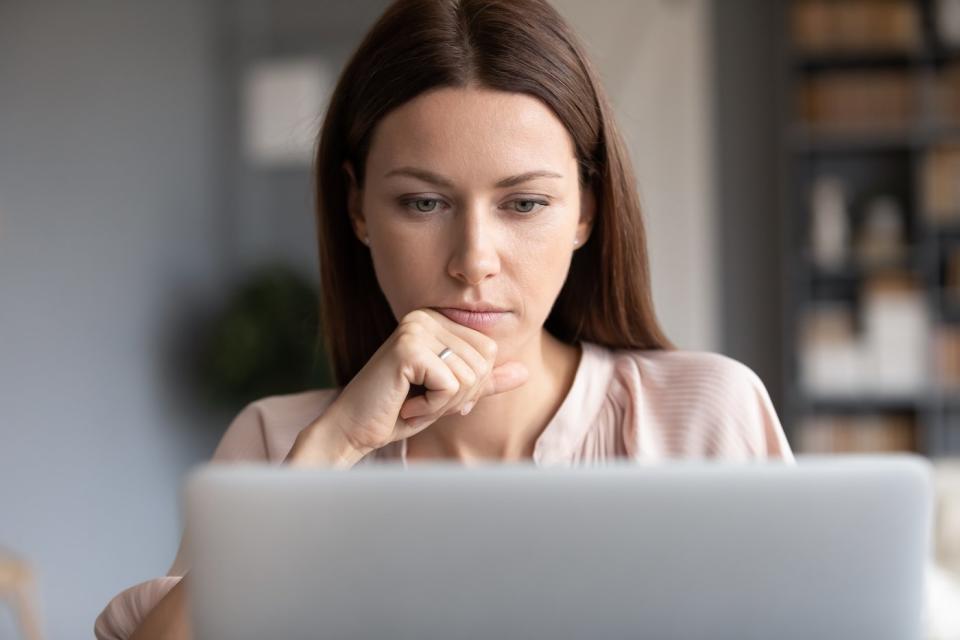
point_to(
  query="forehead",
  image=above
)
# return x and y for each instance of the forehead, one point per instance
(472, 134)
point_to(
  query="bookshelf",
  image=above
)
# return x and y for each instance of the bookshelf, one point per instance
(871, 233)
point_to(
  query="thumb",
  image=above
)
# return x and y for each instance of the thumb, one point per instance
(505, 377)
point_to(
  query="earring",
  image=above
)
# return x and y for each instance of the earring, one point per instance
(576, 241)
(366, 240)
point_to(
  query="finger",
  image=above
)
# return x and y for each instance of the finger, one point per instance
(435, 405)
(469, 381)
(467, 352)
(477, 393)
(483, 344)
(473, 347)
(476, 349)
(480, 354)
(419, 406)
(440, 382)
(481, 366)
(506, 377)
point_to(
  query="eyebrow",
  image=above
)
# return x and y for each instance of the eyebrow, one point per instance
(440, 181)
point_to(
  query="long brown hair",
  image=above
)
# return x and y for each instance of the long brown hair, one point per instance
(519, 46)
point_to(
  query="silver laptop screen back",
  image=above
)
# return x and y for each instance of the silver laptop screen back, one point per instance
(830, 548)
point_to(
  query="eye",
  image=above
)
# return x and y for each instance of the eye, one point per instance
(526, 205)
(422, 205)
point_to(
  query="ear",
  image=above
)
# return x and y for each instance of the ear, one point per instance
(588, 211)
(354, 202)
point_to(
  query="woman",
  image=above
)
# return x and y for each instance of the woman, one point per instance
(485, 284)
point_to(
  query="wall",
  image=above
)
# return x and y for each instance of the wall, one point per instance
(654, 57)
(107, 229)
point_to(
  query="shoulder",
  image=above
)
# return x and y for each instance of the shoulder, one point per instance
(680, 371)
(682, 403)
(266, 429)
(687, 387)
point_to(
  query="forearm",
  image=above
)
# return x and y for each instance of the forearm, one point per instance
(169, 619)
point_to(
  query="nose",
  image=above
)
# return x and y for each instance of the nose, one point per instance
(475, 257)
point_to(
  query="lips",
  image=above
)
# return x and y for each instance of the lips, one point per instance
(479, 318)
(476, 307)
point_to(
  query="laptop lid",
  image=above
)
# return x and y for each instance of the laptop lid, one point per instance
(829, 548)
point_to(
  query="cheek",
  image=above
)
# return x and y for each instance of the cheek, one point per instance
(391, 257)
(403, 272)
(541, 262)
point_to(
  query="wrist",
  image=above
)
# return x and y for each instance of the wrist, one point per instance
(323, 444)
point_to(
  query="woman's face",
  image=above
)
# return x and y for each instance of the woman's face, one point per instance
(471, 199)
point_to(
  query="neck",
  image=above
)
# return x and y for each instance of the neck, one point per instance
(506, 426)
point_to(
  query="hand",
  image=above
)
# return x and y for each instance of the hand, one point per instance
(377, 407)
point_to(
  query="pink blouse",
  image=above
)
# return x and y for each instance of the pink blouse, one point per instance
(640, 405)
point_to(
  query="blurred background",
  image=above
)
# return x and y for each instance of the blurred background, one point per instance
(798, 161)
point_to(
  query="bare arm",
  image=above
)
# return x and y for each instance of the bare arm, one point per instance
(169, 619)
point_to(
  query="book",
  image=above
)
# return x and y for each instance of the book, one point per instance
(859, 100)
(941, 184)
(946, 352)
(857, 433)
(853, 26)
(946, 98)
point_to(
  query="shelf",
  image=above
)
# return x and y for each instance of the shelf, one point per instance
(942, 55)
(856, 271)
(811, 61)
(949, 230)
(829, 60)
(932, 400)
(806, 139)
(867, 403)
(890, 157)
(913, 262)
(949, 306)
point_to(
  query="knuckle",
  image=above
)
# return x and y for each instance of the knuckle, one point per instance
(410, 327)
(444, 394)
(489, 349)
(407, 342)
(416, 318)
(484, 369)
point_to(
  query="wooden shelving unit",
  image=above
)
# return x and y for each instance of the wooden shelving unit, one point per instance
(889, 157)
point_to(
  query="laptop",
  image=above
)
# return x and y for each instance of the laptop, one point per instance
(831, 548)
